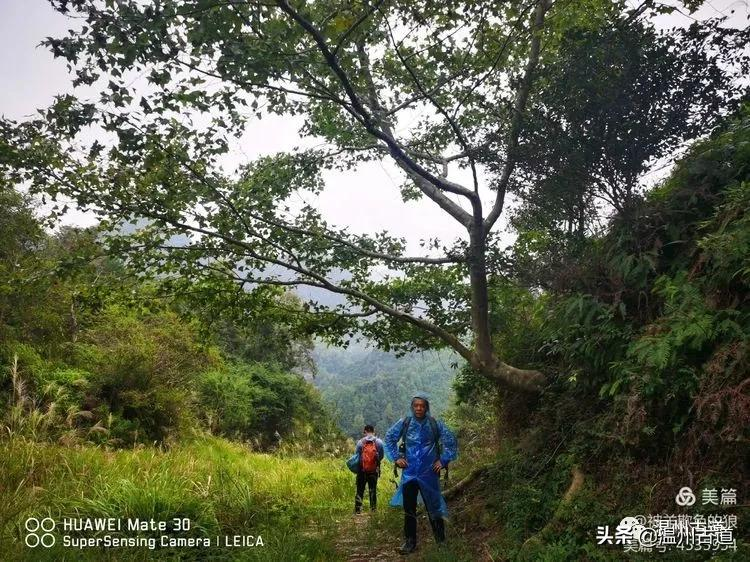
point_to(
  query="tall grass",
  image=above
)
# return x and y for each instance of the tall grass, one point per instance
(223, 488)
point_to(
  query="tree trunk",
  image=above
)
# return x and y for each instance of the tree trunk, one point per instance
(480, 313)
(486, 362)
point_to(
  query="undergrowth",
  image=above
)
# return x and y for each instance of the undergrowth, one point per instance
(223, 488)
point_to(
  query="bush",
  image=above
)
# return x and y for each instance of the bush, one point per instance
(144, 373)
(253, 401)
(225, 399)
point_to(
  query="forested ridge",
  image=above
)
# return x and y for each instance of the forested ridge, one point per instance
(367, 386)
(211, 347)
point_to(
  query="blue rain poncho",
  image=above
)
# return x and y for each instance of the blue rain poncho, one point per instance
(421, 453)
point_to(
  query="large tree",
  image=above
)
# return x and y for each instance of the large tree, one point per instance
(595, 127)
(439, 88)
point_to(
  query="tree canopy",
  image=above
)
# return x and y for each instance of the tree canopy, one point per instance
(90, 354)
(565, 103)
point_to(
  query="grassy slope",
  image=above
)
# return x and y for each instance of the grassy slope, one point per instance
(301, 507)
(294, 503)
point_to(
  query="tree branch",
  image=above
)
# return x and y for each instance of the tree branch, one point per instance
(223, 199)
(426, 187)
(396, 150)
(495, 62)
(451, 122)
(442, 334)
(375, 7)
(518, 108)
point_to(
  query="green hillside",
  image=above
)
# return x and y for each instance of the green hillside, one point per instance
(365, 385)
(645, 330)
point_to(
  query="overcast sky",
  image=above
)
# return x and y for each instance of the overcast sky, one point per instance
(366, 200)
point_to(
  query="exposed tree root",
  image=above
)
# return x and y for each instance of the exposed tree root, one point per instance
(464, 483)
(575, 485)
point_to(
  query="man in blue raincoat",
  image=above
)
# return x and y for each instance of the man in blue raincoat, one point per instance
(428, 447)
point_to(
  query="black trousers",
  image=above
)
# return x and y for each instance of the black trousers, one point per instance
(410, 491)
(371, 480)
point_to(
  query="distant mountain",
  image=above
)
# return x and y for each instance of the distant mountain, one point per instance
(366, 385)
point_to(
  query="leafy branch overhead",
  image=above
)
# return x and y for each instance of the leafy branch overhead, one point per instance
(442, 89)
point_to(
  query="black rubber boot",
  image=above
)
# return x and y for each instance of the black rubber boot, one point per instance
(438, 529)
(408, 547)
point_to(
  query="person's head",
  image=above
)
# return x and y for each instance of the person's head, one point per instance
(369, 429)
(419, 407)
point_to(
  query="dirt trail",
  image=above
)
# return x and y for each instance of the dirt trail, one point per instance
(367, 537)
(375, 536)
(357, 543)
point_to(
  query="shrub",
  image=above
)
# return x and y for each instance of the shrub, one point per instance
(253, 401)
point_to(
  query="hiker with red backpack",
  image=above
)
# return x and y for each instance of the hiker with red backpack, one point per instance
(421, 447)
(366, 460)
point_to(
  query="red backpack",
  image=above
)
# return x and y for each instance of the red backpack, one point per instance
(369, 457)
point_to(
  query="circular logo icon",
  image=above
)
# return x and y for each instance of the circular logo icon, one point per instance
(40, 532)
(685, 497)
